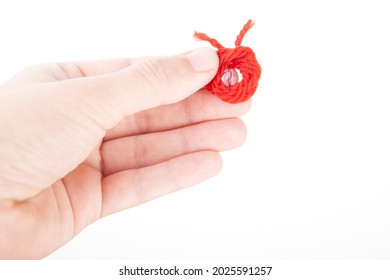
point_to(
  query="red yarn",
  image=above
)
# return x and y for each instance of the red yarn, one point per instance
(241, 58)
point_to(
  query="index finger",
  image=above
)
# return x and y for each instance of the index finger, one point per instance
(52, 72)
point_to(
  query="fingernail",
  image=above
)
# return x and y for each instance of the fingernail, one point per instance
(203, 59)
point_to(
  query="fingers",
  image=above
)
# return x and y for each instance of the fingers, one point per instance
(54, 126)
(106, 99)
(149, 149)
(199, 107)
(132, 187)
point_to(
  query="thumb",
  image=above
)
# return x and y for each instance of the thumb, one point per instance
(146, 84)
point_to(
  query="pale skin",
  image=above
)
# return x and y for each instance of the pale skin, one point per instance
(80, 141)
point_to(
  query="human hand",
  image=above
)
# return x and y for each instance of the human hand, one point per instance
(80, 141)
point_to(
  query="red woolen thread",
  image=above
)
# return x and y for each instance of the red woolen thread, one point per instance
(241, 58)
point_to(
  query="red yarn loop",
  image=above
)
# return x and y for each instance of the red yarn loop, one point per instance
(240, 58)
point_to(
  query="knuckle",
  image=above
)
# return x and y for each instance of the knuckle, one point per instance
(188, 110)
(156, 73)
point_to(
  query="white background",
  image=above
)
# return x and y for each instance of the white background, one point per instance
(312, 180)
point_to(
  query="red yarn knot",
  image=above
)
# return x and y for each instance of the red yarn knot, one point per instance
(241, 58)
